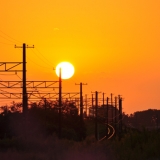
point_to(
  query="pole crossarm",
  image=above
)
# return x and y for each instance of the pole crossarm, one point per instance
(33, 95)
(29, 84)
(26, 46)
(10, 66)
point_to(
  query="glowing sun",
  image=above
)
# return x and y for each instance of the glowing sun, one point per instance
(67, 70)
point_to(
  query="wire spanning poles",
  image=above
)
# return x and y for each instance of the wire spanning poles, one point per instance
(35, 95)
(29, 84)
(10, 67)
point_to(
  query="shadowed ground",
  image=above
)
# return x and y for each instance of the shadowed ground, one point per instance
(52, 148)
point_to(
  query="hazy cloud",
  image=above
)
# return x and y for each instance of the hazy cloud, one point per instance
(56, 29)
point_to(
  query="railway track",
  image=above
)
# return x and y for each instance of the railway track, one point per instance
(111, 132)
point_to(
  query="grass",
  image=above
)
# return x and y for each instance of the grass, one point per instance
(39, 148)
(137, 145)
(36, 146)
(134, 145)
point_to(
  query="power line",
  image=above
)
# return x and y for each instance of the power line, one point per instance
(37, 64)
(7, 43)
(18, 76)
(43, 56)
(9, 37)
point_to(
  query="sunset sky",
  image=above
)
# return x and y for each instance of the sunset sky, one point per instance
(113, 45)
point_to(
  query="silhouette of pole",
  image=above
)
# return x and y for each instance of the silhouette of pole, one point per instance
(60, 101)
(92, 100)
(120, 117)
(96, 120)
(25, 101)
(157, 120)
(81, 100)
(24, 89)
(45, 107)
(115, 118)
(103, 99)
(107, 118)
(81, 111)
(86, 105)
(112, 107)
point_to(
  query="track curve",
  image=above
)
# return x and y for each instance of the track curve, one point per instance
(111, 132)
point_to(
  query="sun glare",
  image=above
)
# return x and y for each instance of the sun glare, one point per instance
(67, 70)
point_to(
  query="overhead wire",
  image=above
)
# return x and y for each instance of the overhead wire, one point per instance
(37, 64)
(7, 39)
(15, 40)
(18, 76)
(7, 43)
(40, 58)
(48, 62)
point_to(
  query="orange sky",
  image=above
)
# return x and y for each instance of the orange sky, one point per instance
(114, 45)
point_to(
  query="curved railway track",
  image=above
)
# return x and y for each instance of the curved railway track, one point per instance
(111, 132)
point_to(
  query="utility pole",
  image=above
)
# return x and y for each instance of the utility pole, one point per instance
(107, 119)
(45, 107)
(60, 101)
(157, 121)
(81, 111)
(81, 100)
(96, 115)
(96, 120)
(120, 117)
(93, 106)
(24, 90)
(103, 99)
(86, 104)
(115, 118)
(112, 107)
(92, 101)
